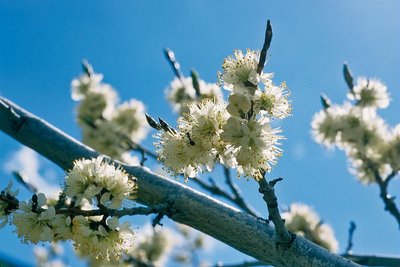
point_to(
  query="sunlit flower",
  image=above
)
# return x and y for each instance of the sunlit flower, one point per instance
(178, 154)
(153, 245)
(96, 177)
(325, 125)
(240, 72)
(349, 127)
(365, 165)
(103, 242)
(255, 142)
(274, 101)
(83, 84)
(106, 139)
(34, 225)
(181, 93)
(370, 93)
(98, 104)
(390, 151)
(62, 227)
(302, 220)
(204, 121)
(130, 120)
(238, 105)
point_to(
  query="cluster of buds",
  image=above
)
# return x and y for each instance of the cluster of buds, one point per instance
(355, 127)
(111, 128)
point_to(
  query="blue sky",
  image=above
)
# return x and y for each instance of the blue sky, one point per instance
(43, 43)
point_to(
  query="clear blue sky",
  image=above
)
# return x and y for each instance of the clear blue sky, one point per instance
(43, 43)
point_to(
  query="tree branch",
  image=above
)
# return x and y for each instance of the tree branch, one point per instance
(374, 260)
(365, 260)
(237, 229)
(352, 228)
(268, 191)
(238, 199)
(387, 199)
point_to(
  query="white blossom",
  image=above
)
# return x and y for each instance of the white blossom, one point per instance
(302, 220)
(240, 72)
(255, 143)
(195, 147)
(34, 225)
(179, 156)
(62, 227)
(103, 242)
(83, 84)
(390, 151)
(130, 119)
(108, 127)
(274, 101)
(349, 127)
(369, 93)
(154, 244)
(98, 104)
(181, 93)
(106, 138)
(96, 177)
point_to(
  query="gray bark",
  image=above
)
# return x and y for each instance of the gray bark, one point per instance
(237, 229)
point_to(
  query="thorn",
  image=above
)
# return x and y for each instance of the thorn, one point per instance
(348, 77)
(195, 82)
(166, 127)
(152, 122)
(176, 68)
(275, 181)
(87, 68)
(325, 101)
(266, 45)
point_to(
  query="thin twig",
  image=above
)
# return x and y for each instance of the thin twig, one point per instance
(268, 191)
(348, 77)
(239, 200)
(352, 228)
(390, 205)
(325, 101)
(22, 179)
(374, 260)
(176, 68)
(138, 263)
(365, 260)
(387, 199)
(267, 43)
(195, 82)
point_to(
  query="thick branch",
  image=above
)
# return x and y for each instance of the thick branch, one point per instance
(225, 223)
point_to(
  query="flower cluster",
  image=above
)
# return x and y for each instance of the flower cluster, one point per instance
(83, 213)
(153, 245)
(181, 92)
(356, 128)
(107, 126)
(237, 134)
(94, 180)
(303, 220)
